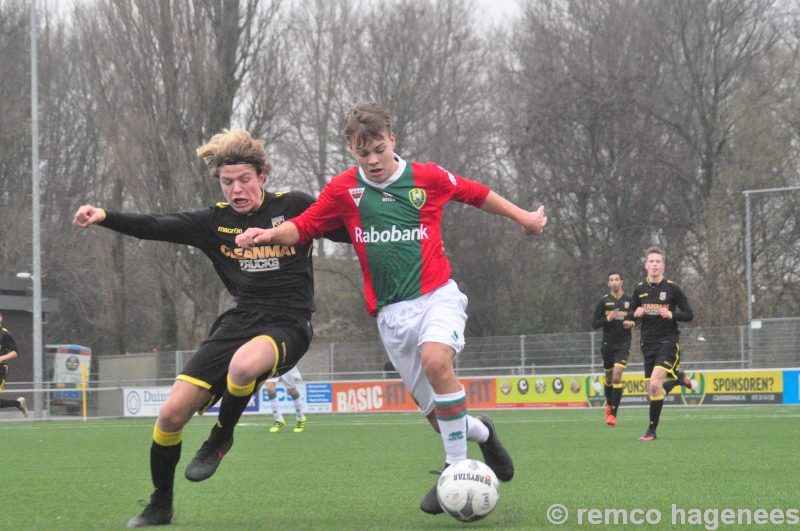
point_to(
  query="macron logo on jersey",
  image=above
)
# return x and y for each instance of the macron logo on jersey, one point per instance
(392, 235)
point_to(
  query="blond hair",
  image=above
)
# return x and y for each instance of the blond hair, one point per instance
(654, 250)
(367, 120)
(234, 146)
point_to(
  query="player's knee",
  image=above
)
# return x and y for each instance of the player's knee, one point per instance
(243, 370)
(171, 418)
(436, 367)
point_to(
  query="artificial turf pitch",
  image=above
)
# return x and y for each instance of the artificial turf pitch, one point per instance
(369, 471)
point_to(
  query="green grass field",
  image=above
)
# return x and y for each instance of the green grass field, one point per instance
(358, 472)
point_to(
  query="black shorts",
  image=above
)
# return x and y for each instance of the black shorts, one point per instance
(208, 368)
(615, 355)
(663, 354)
(3, 374)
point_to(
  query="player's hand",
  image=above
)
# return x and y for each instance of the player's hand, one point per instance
(88, 215)
(665, 314)
(252, 236)
(627, 324)
(613, 314)
(639, 312)
(534, 222)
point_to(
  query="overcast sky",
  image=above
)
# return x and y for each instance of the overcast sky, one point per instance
(498, 11)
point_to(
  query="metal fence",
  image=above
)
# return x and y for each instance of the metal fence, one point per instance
(772, 343)
(775, 344)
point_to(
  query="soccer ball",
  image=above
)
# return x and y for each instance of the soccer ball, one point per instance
(468, 490)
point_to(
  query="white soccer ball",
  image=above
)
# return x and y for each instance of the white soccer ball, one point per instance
(468, 490)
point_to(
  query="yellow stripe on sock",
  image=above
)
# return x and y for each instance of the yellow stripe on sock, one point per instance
(617, 386)
(166, 438)
(657, 397)
(241, 390)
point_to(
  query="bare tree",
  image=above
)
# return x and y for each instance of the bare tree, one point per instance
(165, 76)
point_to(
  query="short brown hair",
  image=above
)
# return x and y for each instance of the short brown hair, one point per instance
(234, 146)
(653, 250)
(367, 120)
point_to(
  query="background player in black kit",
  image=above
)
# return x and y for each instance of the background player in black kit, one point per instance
(612, 314)
(8, 351)
(660, 304)
(264, 335)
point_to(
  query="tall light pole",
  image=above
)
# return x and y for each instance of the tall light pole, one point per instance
(37, 243)
(748, 225)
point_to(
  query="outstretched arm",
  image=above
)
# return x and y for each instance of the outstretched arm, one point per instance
(284, 234)
(532, 222)
(88, 215)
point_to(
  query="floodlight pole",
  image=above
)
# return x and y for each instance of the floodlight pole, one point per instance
(748, 228)
(37, 263)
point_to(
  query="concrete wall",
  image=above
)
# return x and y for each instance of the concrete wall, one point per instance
(129, 370)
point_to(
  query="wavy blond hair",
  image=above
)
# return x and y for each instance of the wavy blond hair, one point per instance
(234, 146)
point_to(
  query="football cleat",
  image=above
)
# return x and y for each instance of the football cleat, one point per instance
(611, 420)
(430, 502)
(277, 426)
(494, 454)
(22, 406)
(608, 410)
(157, 512)
(207, 459)
(650, 435)
(301, 425)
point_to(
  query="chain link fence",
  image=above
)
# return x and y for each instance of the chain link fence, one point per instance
(769, 343)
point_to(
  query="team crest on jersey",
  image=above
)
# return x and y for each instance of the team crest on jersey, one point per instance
(417, 197)
(627, 305)
(278, 221)
(356, 194)
(662, 296)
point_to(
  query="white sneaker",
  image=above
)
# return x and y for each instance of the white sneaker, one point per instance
(22, 406)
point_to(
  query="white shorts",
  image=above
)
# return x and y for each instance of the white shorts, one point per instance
(436, 317)
(290, 379)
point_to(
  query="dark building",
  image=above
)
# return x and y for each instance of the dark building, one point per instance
(16, 305)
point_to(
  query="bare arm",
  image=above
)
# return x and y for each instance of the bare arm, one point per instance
(532, 222)
(283, 234)
(8, 356)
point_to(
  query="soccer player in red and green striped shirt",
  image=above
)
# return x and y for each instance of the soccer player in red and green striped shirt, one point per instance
(393, 210)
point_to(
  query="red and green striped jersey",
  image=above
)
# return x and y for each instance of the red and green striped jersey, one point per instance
(395, 226)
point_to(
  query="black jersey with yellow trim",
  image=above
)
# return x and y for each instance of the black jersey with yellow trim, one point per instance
(653, 297)
(614, 332)
(279, 276)
(7, 343)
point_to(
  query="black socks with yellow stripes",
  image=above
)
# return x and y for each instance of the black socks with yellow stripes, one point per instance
(234, 401)
(655, 411)
(164, 456)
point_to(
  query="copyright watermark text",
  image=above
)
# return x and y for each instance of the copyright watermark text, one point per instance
(710, 519)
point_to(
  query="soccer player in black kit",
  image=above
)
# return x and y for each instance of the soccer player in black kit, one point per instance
(660, 304)
(8, 351)
(611, 313)
(264, 335)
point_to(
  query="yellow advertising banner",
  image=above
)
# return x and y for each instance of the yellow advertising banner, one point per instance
(708, 388)
(541, 391)
(743, 387)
